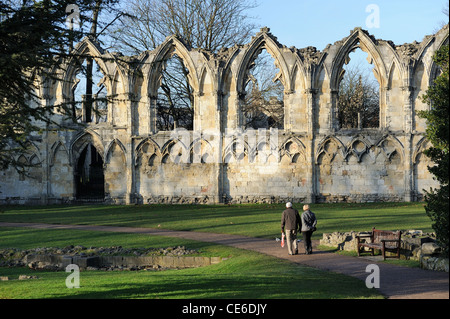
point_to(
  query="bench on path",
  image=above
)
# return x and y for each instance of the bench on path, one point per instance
(383, 240)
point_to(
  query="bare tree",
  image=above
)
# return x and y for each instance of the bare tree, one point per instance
(263, 105)
(359, 103)
(204, 24)
(443, 23)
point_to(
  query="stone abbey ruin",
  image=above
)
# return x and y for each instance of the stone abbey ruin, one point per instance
(120, 155)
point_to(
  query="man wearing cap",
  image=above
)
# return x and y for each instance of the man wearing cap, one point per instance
(290, 224)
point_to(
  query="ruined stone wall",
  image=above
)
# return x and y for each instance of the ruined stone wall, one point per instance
(312, 159)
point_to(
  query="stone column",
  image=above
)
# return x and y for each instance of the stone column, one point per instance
(407, 109)
(384, 91)
(152, 112)
(310, 140)
(83, 108)
(334, 124)
(408, 128)
(129, 155)
(46, 155)
(197, 118)
(288, 97)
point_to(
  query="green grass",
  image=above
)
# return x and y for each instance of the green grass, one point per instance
(244, 275)
(248, 220)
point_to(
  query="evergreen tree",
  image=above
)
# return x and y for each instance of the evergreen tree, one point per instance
(35, 36)
(437, 132)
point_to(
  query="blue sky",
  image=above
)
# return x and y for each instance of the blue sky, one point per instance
(303, 23)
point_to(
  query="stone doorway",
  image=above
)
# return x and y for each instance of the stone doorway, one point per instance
(89, 176)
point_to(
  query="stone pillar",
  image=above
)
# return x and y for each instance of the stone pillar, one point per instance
(197, 118)
(334, 124)
(311, 97)
(218, 98)
(129, 155)
(46, 156)
(384, 91)
(110, 114)
(83, 108)
(407, 109)
(152, 110)
(408, 128)
(288, 98)
(130, 198)
(408, 169)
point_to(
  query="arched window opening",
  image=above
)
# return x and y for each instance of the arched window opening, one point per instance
(263, 104)
(89, 93)
(90, 179)
(359, 97)
(175, 104)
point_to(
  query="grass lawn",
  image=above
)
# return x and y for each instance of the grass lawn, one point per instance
(246, 275)
(248, 220)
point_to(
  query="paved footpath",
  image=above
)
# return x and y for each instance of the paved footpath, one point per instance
(396, 282)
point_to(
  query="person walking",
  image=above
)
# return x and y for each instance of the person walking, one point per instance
(308, 226)
(290, 225)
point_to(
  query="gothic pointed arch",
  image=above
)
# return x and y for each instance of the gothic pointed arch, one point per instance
(226, 73)
(389, 146)
(394, 74)
(202, 151)
(107, 75)
(82, 140)
(88, 158)
(115, 166)
(358, 39)
(206, 80)
(419, 148)
(83, 49)
(111, 148)
(330, 146)
(58, 146)
(358, 147)
(236, 151)
(263, 40)
(148, 153)
(293, 149)
(300, 78)
(175, 151)
(172, 45)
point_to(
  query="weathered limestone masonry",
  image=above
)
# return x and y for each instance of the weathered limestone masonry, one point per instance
(312, 159)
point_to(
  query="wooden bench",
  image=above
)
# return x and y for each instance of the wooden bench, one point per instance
(383, 240)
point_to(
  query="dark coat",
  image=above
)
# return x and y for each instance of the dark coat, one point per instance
(290, 220)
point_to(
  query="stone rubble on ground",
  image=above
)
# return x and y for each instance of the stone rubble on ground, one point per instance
(113, 258)
(416, 245)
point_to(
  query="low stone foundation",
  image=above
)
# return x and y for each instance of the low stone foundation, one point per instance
(110, 259)
(55, 262)
(359, 198)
